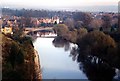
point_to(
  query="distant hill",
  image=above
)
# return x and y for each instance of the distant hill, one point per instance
(110, 8)
(100, 8)
(104, 8)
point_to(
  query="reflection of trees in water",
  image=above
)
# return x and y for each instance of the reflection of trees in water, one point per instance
(74, 53)
(94, 70)
(58, 42)
(94, 67)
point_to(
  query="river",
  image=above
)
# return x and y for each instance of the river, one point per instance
(56, 61)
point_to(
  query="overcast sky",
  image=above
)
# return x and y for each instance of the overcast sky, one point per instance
(56, 3)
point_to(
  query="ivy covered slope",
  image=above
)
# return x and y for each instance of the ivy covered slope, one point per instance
(17, 59)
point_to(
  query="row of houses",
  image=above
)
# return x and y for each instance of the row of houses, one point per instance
(8, 23)
(15, 21)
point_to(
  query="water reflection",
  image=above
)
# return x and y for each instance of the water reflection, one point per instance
(57, 42)
(95, 71)
(55, 61)
(74, 53)
(94, 68)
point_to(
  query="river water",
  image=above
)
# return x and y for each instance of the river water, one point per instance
(56, 61)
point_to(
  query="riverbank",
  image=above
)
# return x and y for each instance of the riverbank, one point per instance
(20, 61)
(38, 74)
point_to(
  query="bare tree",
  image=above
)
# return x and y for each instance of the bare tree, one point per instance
(106, 22)
(84, 17)
(95, 24)
(69, 22)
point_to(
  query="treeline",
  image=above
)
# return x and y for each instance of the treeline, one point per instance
(35, 13)
(99, 43)
(17, 58)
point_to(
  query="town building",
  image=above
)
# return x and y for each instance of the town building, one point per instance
(7, 30)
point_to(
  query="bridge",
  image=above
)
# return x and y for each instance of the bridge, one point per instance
(33, 30)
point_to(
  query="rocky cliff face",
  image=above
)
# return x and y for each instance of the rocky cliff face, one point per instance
(19, 60)
(37, 66)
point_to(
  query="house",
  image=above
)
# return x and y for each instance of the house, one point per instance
(7, 30)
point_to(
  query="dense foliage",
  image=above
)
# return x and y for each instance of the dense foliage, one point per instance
(18, 59)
